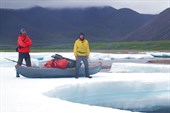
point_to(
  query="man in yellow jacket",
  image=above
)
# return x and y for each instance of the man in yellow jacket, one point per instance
(81, 52)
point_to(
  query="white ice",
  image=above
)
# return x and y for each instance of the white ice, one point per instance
(109, 56)
(29, 95)
(139, 68)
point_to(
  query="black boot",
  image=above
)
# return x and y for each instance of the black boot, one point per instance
(76, 77)
(89, 76)
(17, 75)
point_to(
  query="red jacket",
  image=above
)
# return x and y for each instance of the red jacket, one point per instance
(24, 43)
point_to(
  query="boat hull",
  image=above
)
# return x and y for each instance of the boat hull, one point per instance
(42, 72)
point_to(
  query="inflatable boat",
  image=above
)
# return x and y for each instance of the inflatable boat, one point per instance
(43, 72)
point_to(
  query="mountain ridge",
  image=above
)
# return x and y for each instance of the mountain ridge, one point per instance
(45, 25)
(156, 29)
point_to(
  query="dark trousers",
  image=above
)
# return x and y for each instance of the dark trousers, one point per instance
(85, 61)
(26, 57)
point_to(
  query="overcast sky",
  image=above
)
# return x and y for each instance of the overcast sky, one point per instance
(141, 6)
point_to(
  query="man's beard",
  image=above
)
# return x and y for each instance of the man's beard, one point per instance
(81, 39)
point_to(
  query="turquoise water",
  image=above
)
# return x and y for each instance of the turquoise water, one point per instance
(133, 96)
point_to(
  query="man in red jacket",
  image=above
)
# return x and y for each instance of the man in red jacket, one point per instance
(24, 43)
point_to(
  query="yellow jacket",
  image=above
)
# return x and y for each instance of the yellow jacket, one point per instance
(81, 48)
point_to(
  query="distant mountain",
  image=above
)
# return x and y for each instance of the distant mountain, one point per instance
(156, 29)
(55, 26)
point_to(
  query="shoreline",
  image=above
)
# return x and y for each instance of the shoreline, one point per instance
(101, 51)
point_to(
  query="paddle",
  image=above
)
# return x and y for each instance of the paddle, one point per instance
(13, 61)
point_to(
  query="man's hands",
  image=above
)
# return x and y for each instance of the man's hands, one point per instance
(76, 58)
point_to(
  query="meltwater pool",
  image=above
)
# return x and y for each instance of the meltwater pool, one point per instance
(147, 97)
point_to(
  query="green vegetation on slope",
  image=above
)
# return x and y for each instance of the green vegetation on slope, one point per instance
(150, 45)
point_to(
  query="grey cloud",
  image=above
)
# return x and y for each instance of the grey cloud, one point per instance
(142, 6)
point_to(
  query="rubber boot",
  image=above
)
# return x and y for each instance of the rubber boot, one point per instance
(17, 75)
